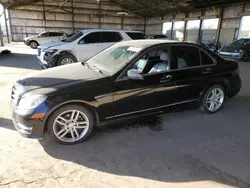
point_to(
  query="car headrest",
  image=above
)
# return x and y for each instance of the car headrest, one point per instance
(164, 56)
(141, 64)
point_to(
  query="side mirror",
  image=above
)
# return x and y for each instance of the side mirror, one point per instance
(134, 74)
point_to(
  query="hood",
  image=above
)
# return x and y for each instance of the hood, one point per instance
(54, 77)
(51, 44)
(232, 48)
(31, 37)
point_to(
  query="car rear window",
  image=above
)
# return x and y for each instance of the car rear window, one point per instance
(135, 36)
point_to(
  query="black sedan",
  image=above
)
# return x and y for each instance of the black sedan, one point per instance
(128, 80)
(239, 50)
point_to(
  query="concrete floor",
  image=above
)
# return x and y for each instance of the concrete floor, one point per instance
(192, 150)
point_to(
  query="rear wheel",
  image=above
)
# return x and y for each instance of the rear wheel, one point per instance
(246, 57)
(33, 44)
(213, 99)
(66, 59)
(70, 124)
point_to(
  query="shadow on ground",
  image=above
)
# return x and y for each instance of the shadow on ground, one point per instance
(23, 61)
(6, 123)
(208, 147)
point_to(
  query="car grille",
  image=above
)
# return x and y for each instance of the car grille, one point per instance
(16, 92)
(14, 96)
(231, 50)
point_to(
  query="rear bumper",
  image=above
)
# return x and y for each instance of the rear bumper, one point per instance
(235, 82)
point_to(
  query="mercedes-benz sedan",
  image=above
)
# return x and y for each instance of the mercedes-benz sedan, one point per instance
(128, 80)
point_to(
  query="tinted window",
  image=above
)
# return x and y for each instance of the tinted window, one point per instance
(54, 34)
(160, 36)
(44, 34)
(110, 37)
(73, 37)
(184, 56)
(135, 36)
(92, 38)
(206, 60)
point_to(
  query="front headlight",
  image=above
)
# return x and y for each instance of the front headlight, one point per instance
(240, 51)
(50, 50)
(29, 102)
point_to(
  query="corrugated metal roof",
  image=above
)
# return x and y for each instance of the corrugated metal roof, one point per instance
(149, 8)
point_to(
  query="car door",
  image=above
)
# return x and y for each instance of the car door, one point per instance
(189, 73)
(151, 94)
(88, 46)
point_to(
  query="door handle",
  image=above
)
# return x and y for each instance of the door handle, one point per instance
(166, 79)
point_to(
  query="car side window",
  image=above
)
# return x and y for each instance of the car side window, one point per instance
(184, 57)
(45, 34)
(108, 36)
(55, 34)
(246, 42)
(206, 60)
(91, 38)
(149, 64)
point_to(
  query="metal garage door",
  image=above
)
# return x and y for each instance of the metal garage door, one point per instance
(192, 35)
(227, 36)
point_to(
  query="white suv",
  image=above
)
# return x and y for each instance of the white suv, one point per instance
(42, 38)
(82, 46)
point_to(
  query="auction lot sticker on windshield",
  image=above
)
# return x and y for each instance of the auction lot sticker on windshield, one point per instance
(134, 49)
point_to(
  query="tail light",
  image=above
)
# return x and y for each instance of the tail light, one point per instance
(238, 70)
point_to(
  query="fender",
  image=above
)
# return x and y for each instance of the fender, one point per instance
(55, 56)
(83, 103)
(222, 81)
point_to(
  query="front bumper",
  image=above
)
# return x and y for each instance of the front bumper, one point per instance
(45, 60)
(27, 127)
(231, 55)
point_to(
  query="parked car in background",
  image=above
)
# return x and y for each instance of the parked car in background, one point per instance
(238, 50)
(82, 46)
(42, 38)
(128, 80)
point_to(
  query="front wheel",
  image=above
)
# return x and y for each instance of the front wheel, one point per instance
(66, 59)
(70, 124)
(33, 44)
(246, 57)
(213, 99)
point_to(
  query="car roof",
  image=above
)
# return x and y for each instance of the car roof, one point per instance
(93, 30)
(151, 42)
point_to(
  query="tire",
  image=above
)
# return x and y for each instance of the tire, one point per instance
(65, 59)
(217, 103)
(33, 44)
(81, 132)
(246, 57)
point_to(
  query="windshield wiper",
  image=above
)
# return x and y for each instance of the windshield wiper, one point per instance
(97, 69)
(93, 67)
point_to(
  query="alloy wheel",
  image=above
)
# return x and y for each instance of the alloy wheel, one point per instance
(33, 45)
(215, 99)
(246, 56)
(70, 126)
(67, 60)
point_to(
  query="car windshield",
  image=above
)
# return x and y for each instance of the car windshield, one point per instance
(241, 42)
(113, 58)
(74, 37)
